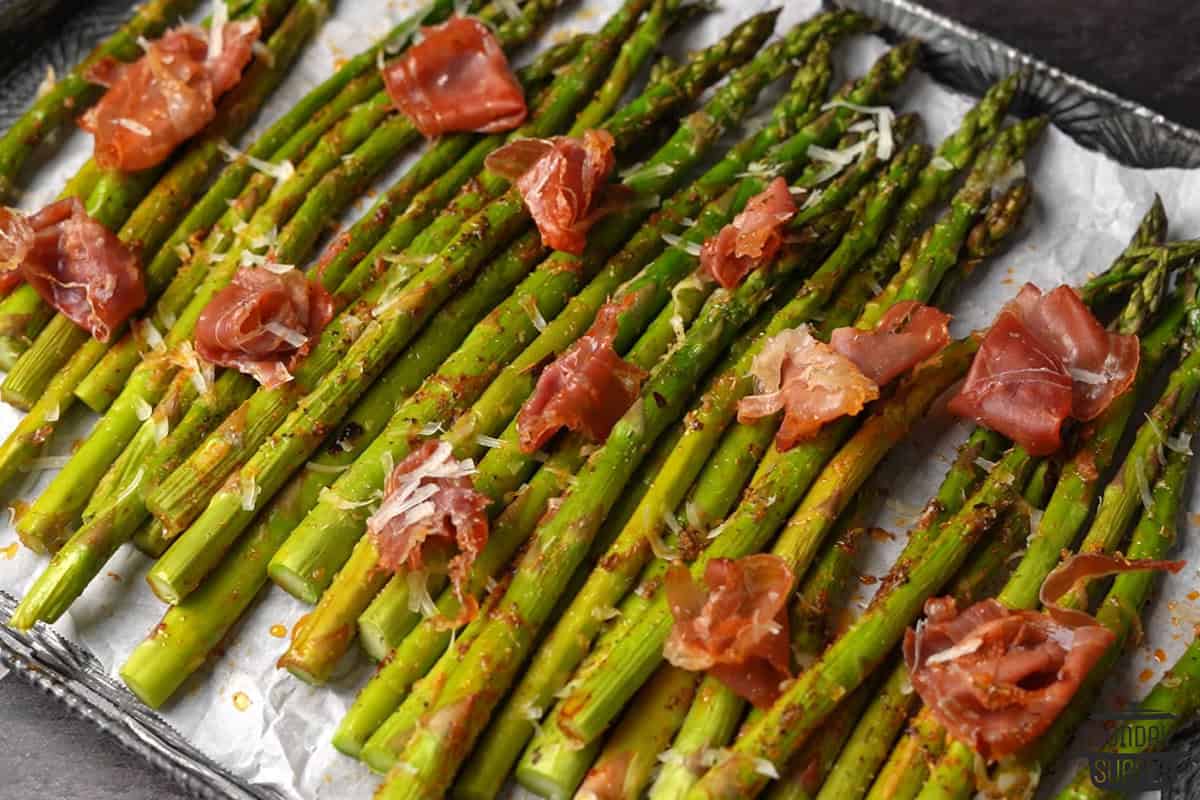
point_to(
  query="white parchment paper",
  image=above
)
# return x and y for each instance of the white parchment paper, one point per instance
(274, 730)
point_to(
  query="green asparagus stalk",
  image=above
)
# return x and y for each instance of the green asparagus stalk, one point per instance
(289, 139)
(391, 325)
(325, 539)
(812, 627)
(586, 711)
(952, 776)
(61, 502)
(117, 523)
(626, 762)
(610, 585)
(35, 428)
(72, 94)
(848, 662)
(469, 694)
(397, 336)
(1152, 539)
(505, 739)
(158, 213)
(1171, 704)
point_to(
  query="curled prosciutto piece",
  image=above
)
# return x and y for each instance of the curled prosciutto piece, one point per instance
(998, 678)
(166, 96)
(809, 381)
(263, 322)
(431, 510)
(753, 239)
(587, 388)
(1044, 360)
(1074, 573)
(563, 183)
(456, 78)
(735, 626)
(74, 263)
(906, 335)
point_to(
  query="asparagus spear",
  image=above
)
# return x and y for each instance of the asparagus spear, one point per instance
(847, 663)
(365, 560)
(629, 756)
(59, 505)
(629, 553)
(1173, 700)
(73, 93)
(952, 776)
(95, 543)
(716, 409)
(811, 628)
(157, 214)
(356, 578)
(35, 427)
(390, 332)
(503, 470)
(309, 120)
(780, 484)
(470, 693)
(207, 468)
(324, 541)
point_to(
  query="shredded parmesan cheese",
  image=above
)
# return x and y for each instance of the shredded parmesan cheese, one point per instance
(280, 172)
(529, 303)
(53, 414)
(48, 82)
(883, 118)
(419, 599)
(250, 492)
(941, 163)
(330, 497)
(293, 338)
(764, 767)
(490, 442)
(220, 18)
(678, 242)
(431, 429)
(142, 409)
(328, 469)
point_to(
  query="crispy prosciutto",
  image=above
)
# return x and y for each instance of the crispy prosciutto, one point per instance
(809, 381)
(998, 678)
(907, 334)
(167, 95)
(1044, 360)
(563, 183)
(456, 78)
(753, 238)
(262, 322)
(76, 264)
(735, 626)
(430, 509)
(587, 388)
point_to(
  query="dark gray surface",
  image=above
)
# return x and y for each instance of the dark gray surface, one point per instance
(1144, 50)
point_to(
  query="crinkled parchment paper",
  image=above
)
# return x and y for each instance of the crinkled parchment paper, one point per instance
(273, 730)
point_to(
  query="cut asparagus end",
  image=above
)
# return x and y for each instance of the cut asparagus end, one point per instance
(302, 587)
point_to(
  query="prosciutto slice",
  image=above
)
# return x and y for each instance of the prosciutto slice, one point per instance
(563, 183)
(908, 333)
(753, 239)
(456, 78)
(74, 263)
(809, 381)
(431, 509)
(997, 678)
(735, 626)
(1045, 359)
(587, 388)
(263, 322)
(166, 96)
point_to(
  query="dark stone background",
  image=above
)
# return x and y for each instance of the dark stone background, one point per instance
(1145, 50)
